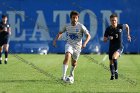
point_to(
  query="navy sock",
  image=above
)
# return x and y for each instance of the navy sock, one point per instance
(115, 64)
(0, 54)
(6, 54)
(112, 69)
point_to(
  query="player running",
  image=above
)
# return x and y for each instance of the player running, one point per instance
(114, 33)
(5, 31)
(74, 33)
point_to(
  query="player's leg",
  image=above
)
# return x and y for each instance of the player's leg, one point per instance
(112, 70)
(68, 52)
(115, 57)
(1, 54)
(75, 57)
(1, 49)
(111, 66)
(6, 48)
(73, 66)
(65, 64)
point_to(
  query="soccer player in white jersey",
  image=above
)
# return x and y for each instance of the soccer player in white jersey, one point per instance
(74, 33)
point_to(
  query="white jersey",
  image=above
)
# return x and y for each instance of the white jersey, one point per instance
(75, 33)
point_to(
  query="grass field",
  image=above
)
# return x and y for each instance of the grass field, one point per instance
(32, 73)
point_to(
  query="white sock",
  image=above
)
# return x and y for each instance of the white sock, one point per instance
(6, 59)
(72, 71)
(65, 67)
(1, 58)
(116, 71)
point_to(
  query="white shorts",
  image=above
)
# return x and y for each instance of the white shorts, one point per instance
(75, 52)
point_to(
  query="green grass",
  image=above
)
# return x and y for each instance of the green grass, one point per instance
(42, 73)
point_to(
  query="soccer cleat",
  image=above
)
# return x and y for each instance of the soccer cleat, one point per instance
(0, 62)
(116, 75)
(63, 78)
(5, 62)
(112, 78)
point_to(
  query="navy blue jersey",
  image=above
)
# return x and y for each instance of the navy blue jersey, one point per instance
(116, 35)
(4, 34)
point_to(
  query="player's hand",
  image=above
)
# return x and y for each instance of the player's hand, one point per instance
(129, 38)
(54, 43)
(5, 29)
(105, 39)
(111, 37)
(84, 45)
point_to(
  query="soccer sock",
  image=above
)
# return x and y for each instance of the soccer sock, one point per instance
(6, 55)
(72, 71)
(112, 69)
(6, 59)
(65, 67)
(115, 65)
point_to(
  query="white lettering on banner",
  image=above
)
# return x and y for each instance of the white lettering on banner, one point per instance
(40, 30)
(62, 20)
(93, 21)
(106, 18)
(18, 33)
(40, 27)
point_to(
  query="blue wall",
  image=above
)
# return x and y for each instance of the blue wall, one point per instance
(35, 23)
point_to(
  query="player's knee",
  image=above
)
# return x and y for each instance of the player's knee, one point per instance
(114, 57)
(66, 59)
(111, 62)
(6, 48)
(74, 64)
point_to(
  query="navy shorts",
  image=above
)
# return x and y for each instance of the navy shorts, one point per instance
(4, 41)
(112, 52)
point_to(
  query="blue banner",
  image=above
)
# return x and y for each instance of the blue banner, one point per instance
(35, 23)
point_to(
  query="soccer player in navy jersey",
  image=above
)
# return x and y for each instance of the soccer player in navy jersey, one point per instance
(5, 32)
(74, 33)
(113, 33)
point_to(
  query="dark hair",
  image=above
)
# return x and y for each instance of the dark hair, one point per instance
(3, 16)
(113, 15)
(74, 13)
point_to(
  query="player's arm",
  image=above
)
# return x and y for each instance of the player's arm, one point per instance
(105, 39)
(105, 35)
(1, 28)
(128, 32)
(59, 35)
(87, 40)
(86, 32)
(9, 30)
